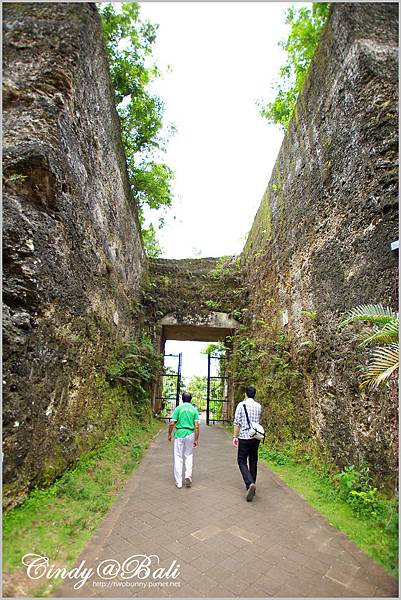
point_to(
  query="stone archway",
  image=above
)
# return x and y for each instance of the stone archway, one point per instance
(214, 327)
(210, 328)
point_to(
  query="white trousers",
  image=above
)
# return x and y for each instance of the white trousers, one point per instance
(183, 450)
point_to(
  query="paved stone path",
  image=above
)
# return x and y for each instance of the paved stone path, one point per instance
(276, 545)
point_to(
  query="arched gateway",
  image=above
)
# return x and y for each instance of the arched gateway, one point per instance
(196, 300)
(214, 327)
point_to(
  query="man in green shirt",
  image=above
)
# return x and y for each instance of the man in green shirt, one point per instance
(185, 418)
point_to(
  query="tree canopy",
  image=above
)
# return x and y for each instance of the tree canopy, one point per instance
(306, 25)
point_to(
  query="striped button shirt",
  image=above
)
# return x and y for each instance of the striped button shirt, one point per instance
(254, 410)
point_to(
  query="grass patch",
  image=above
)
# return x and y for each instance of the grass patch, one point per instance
(376, 536)
(347, 500)
(59, 520)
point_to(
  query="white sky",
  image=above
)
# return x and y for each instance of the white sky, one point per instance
(224, 57)
(193, 362)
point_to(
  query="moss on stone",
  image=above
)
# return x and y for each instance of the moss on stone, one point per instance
(193, 287)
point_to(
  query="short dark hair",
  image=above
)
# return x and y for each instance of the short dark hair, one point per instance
(250, 391)
(186, 397)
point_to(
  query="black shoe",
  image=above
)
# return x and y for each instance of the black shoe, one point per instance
(251, 492)
(188, 482)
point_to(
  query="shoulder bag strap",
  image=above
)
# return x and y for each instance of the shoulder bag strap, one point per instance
(247, 417)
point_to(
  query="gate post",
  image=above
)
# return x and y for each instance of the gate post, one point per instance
(178, 388)
(208, 390)
(158, 385)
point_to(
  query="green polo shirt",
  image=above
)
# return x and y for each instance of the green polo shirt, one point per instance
(185, 416)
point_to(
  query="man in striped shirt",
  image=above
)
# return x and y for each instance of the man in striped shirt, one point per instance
(247, 446)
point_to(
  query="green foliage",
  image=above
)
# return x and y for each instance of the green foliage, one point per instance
(197, 386)
(216, 409)
(225, 266)
(152, 185)
(136, 366)
(285, 420)
(266, 363)
(216, 348)
(388, 334)
(355, 487)
(59, 520)
(169, 382)
(384, 360)
(244, 361)
(372, 313)
(366, 502)
(348, 478)
(212, 304)
(152, 246)
(169, 391)
(237, 314)
(306, 25)
(274, 456)
(308, 313)
(367, 518)
(129, 44)
(15, 177)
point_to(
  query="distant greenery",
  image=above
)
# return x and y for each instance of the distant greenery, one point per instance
(152, 246)
(129, 44)
(170, 377)
(197, 386)
(306, 25)
(216, 348)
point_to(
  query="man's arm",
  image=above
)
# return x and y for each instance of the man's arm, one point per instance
(196, 442)
(170, 429)
(235, 436)
(236, 427)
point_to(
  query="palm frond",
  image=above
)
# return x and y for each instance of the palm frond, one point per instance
(388, 334)
(384, 361)
(372, 313)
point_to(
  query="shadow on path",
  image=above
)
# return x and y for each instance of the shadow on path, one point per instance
(223, 546)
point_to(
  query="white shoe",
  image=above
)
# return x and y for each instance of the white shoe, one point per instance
(178, 486)
(251, 492)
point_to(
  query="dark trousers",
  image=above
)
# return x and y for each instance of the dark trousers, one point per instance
(248, 451)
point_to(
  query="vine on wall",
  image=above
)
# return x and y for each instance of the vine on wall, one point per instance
(136, 367)
(269, 368)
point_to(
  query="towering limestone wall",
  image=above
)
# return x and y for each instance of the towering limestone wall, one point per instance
(73, 258)
(320, 243)
(74, 267)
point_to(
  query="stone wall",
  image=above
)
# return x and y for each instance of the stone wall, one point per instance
(73, 257)
(192, 289)
(76, 281)
(320, 242)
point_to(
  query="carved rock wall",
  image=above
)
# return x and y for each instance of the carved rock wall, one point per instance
(320, 242)
(75, 271)
(73, 257)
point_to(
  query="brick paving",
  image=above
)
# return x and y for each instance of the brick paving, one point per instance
(224, 547)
